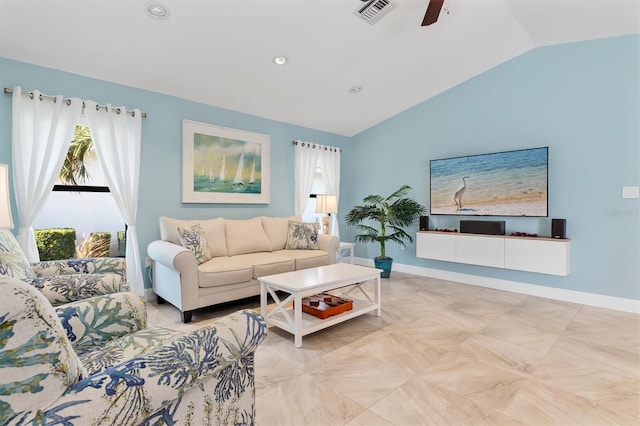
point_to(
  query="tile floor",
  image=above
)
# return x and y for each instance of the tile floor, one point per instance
(447, 353)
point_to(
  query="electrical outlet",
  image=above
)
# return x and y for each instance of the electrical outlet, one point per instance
(630, 192)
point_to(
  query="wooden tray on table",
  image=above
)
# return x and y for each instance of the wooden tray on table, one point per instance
(325, 305)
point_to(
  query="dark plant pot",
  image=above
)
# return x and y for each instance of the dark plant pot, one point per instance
(383, 263)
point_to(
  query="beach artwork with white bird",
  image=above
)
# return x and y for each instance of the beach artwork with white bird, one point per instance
(511, 183)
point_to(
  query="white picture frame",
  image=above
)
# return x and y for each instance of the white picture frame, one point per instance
(224, 165)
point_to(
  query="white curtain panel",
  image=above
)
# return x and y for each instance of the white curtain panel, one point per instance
(330, 166)
(42, 129)
(306, 155)
(117, 136)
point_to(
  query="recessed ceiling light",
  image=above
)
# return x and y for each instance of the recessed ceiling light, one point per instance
(156, 10)
(355, 89)
(280, 60)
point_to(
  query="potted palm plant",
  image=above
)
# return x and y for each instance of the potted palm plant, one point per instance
(392, 214)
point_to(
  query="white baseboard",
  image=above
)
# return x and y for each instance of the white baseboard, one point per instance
(583, 298)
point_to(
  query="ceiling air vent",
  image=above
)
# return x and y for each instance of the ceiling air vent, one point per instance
(374, 10)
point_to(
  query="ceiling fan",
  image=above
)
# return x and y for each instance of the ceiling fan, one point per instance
(433, 12)
(373, 10)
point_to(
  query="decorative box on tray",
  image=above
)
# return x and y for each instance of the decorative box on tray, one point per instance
(325, 305)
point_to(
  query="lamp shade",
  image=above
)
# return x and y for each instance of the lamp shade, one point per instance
(326, 203)
(5, 207)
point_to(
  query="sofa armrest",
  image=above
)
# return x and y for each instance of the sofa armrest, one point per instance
(175, 274)
(91, 322)
(97, 265)
(330, 244)
(215, 360)
(167, 253)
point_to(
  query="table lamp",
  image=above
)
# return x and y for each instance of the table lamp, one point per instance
(327, 204)
(5, 207)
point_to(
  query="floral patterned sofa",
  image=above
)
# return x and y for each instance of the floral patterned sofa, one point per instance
(198, 263)
(63, 281)
(95, 362)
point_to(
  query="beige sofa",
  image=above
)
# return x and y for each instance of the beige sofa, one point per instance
(241, 250)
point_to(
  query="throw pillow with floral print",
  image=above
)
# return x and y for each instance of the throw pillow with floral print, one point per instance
(193, 239)
(302, 236)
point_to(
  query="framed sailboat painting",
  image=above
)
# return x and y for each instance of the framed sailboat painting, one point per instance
(223, 165)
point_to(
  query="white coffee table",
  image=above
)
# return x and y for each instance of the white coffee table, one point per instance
(309, 282)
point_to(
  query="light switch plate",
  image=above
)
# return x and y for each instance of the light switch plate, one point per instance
(631, 192)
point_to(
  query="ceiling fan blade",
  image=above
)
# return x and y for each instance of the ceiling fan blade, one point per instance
(433, 11)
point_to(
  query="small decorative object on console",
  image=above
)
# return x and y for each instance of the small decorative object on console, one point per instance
(445, 230)
(522, 234)
(325, 305)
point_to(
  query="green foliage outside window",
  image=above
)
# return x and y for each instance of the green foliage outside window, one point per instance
(74, 171)
(56, 243)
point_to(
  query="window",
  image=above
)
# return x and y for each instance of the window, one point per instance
(309, 214)
(86, 206)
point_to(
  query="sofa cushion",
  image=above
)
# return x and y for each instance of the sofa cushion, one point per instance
(192, 238)
(224, 270)
(13, 262)
(214, 231)
(302, 236)
(306, 258)
(125, 347)
(269, 263)
(277, 229)
(246, 236)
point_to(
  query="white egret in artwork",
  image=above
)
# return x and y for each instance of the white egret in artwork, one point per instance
(457, 197)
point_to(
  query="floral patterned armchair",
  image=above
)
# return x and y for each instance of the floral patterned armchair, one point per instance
(95, 362)
(63, 281)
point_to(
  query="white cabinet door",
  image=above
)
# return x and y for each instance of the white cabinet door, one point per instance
(436, 246)
(480, 250)
(543, 256)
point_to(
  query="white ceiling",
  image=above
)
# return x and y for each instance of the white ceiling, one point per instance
(219, 52)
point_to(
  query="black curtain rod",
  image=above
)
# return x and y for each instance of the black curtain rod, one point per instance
(316, 145)
(9, 91)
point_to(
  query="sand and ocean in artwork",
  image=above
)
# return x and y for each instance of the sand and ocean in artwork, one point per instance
(510, 183)
(226, 165)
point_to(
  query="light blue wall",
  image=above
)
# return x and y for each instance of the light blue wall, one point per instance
(580, 99)
(161, 164)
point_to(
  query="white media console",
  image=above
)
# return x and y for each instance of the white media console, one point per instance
(531, 254)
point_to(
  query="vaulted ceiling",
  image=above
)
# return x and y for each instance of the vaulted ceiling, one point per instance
(220, 52)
